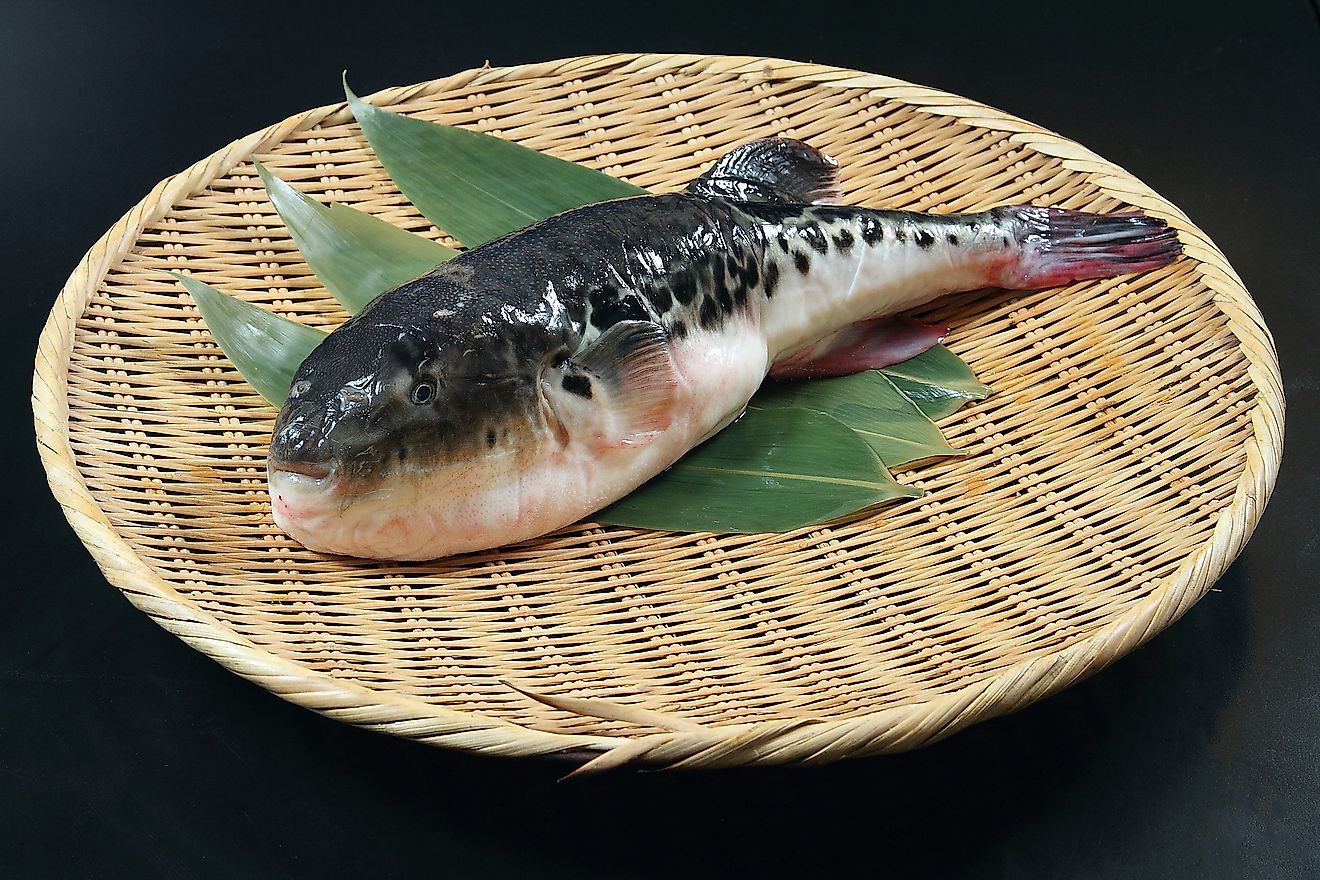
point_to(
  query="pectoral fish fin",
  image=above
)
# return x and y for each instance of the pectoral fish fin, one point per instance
(619, 390)
(868, 345)
(772, 170)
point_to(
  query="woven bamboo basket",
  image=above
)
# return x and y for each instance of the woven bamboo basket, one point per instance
(1132, 439)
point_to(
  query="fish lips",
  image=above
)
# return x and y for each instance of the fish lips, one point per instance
(314, 439)
(301, 494)
(313, 470)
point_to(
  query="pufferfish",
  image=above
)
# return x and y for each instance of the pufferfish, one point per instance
(539, 377)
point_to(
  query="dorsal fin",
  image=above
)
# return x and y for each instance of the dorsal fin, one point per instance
(771, 170)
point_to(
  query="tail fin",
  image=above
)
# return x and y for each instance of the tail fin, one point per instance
(1059, 246)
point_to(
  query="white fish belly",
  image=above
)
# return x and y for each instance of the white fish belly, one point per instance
(507, 497)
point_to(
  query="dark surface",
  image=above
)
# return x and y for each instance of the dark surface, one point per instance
(125, 754)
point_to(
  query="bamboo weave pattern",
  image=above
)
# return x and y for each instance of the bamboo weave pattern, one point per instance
(1132, 439)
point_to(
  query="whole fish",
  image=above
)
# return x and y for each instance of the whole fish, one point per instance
(537, 378)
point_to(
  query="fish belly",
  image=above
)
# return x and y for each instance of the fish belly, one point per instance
(504, 499)
(717, 372)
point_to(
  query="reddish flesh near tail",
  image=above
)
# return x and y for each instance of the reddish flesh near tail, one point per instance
(877, 343)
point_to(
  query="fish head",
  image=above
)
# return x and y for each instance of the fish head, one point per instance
(392, 412)
(356, 404)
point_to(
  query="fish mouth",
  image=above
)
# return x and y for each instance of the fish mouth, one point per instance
(314, 470)
(300, 493)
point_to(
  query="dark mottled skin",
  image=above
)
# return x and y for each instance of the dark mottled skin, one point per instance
(482, 327)
(472, 405)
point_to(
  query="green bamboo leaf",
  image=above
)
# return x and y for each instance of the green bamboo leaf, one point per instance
(801, 455)
(265, 347)
(476, 186)
(937, 381)
(773, 469)
(873, 407)
(356, 256)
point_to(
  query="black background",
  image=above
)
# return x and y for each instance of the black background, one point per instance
(125, 754)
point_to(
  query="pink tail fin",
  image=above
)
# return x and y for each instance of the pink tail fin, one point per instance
(1059, 246)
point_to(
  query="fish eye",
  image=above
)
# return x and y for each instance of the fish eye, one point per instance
(422, 392)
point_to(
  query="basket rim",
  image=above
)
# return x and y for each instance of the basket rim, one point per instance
(684, 743)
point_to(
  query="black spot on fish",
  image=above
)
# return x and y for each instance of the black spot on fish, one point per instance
(678, 330)
(490, 433)
(952, 238)
(802, 261)
(900, 233)
(752, 274)
(633, 309)
(923, 238)
(579, 385)
(709, 314)
(685, 288)
(602, 298)
(731, 266)
(811, 232)
(1004, 242)
(771, 278)
(872, 230)
(660, 297)
(407, 350)
(783, 243)
(739, 294)
(843, 240)
(722, 293)
(609, 307)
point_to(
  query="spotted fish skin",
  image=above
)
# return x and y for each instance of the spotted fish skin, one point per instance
(686, 262)
(533, 380)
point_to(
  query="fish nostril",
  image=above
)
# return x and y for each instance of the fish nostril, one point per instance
(300, 435)
(349, 399)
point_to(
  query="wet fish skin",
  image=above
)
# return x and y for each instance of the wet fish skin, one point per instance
(537, 378)
(483, 325)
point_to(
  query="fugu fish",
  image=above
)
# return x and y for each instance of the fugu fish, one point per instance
(539, 377)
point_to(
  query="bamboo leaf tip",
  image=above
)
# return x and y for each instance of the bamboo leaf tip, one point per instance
(262, 171)
(354, 102)
(274, 184)
(187, 281)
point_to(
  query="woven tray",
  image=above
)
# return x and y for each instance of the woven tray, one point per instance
(1133, 437)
